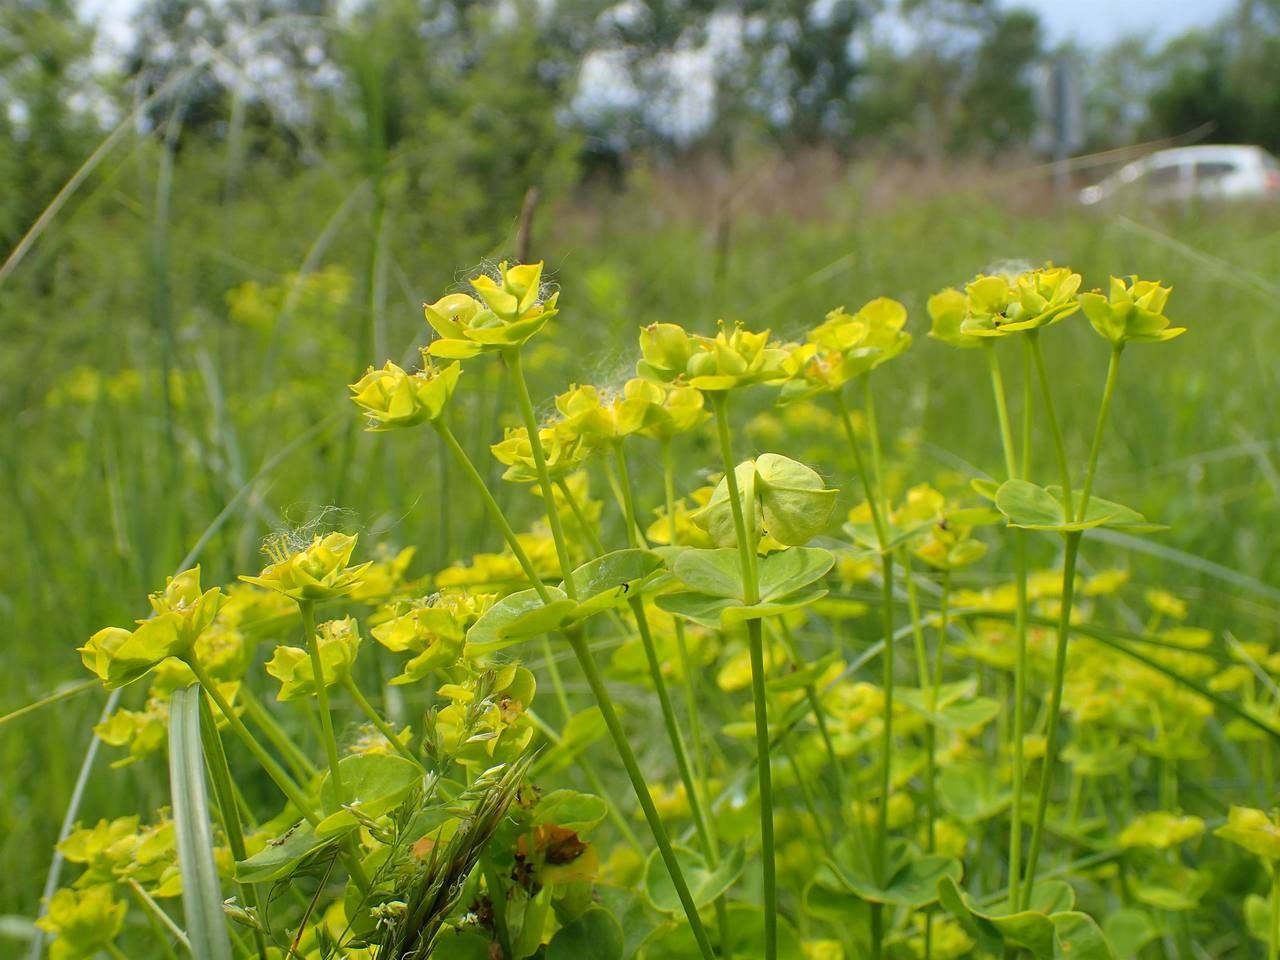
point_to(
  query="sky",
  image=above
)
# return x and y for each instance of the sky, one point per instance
(1095, 23)
(1091, 23)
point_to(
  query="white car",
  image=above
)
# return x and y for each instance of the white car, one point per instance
(1202, 172)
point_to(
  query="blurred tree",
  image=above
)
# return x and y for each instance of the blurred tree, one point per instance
(47, 122)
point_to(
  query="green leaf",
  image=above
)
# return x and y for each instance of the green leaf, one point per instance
(717, 573)
(733, 616)
(1077, 937)
(374, 784)
(913, 880)
(580, 731)
(201, 892)
(957, 707)
(1033, 929)
(279, 857)
(971, 792)
(613, 570)
(1129, 930)
(701, 608)
(984, 488)
(515, 617)
(1026, 505)
(745, 930)
(787, 571)
(593, 936)
(705, 884)
(570, 809)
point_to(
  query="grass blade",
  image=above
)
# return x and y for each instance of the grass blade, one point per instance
(201, 892)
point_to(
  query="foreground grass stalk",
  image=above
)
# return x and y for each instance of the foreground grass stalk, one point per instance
(1055, 711)
(307, 609)
(755, 644)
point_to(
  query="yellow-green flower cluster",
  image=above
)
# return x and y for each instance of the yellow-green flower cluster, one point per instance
(847, 344)
(734, 357)
(1134, 311)
(319, 571)
(432, 629)
(181, 613)
(485, 721)
(337, 641)
(83, 922)
(504, 313)
(394, 398)
(999, 305)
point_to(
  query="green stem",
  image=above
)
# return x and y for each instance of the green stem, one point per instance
(1002, 410)
(375, 718)
(1055, 710)
(498, 900)
(1108, 391)
(491, 505)
(594, 680)
(588, 533)
(166, 922)
(1059, 446)
(268, 763)
(307, 609)
(873, 500)
(302, 766)
(922, 668)
(1028, 404)
(635, 537)
(1020, 629)
(755, 643)
(682, 643)
(873, 437)
(1273, 940)
(1019, 717)
(886, 738)
(525, 403)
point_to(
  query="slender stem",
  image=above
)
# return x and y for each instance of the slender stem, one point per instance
(755, 644)
(873, 501)
(1273, 940)
(1059, 446)
(1020, 628)
(149, 904)
(579, 644)
(302, 766)
(673, 733)
(922, 668)
(746, 545)
(307, 609)
(1002, 410)
(635, 537)
(588, 533)
(498, 901)
(873, 436)
(1028, 404)
(525, 403)
(375, 718)
(495, 511)
(1055, 710)
(268, 763)
(886, 737)
(1108, 391)
(1019, 717)
(594, 680)
(682, 643)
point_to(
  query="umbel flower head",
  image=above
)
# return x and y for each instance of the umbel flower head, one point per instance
(947, 309)
(392, 397)
(433, 630)
(182, 613)
(316, 572)
(847, 344)
(565, 451)
(998, 305)
(84, 921)
(734, 357)
(338, 642)
(504, 313)
(1134, 311)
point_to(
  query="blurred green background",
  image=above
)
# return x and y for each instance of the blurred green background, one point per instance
(214, 225)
